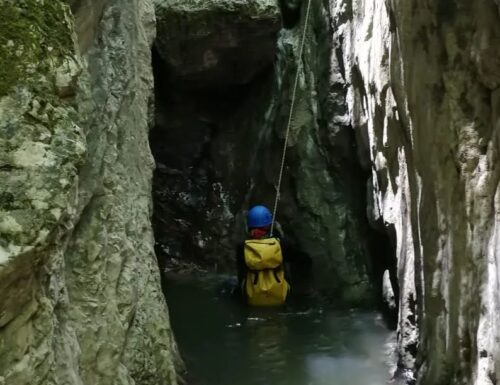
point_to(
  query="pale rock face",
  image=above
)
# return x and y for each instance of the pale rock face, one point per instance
(388, 291)
(81, 301)
(423, 99)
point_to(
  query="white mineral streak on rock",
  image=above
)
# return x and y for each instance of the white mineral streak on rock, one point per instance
(388, 292)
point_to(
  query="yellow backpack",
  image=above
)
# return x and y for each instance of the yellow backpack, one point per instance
(265, 282)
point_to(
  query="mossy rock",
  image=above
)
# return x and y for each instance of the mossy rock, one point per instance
(34, 36)
(41, 143)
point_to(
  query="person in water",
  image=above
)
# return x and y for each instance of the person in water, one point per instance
(260, 262)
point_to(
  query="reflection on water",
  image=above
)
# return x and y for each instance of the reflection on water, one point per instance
(225, 343)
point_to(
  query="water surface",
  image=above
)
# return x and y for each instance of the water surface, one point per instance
(303, 343)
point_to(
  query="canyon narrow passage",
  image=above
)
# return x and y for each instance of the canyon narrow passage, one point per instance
(222, 95)
(140, 140)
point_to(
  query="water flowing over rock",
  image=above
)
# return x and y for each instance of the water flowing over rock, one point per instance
(81, 299)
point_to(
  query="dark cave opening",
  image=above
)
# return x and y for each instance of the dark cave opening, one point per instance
(192, 123)
(199, 141)
(200, 149)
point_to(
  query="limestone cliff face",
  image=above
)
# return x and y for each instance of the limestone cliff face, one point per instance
(81, 301)
(423, 80)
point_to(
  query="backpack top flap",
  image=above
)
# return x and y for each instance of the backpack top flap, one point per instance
(262, 254)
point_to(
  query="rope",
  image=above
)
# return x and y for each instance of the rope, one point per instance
(290, 116)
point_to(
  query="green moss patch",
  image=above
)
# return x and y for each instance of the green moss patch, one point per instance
(33, 33)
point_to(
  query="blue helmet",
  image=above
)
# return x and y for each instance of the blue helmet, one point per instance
(259, 216)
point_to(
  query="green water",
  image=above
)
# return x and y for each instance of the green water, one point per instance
(304, 343)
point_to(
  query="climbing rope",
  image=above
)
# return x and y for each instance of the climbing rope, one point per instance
(290, 116)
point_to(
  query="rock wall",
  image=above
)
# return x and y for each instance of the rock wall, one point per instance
(423, 80)
(81, 300)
